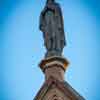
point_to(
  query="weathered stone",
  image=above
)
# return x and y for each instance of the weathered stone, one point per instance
(51, 24)
(54, 89)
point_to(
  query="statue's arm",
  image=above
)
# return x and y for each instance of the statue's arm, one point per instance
(60, 17)
(42, 19)
(42, 22)
(60, 23)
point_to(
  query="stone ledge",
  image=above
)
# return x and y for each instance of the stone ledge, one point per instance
(52, 61)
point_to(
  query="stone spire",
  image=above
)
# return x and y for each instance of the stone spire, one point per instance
(54, 65)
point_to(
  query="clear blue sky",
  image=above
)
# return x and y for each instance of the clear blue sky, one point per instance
(21, 47)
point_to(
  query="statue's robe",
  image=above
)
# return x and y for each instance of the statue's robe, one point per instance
(51, 24)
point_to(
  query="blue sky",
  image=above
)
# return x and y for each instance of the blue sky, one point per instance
(21, 47)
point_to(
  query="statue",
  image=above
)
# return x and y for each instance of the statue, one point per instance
(51, 24)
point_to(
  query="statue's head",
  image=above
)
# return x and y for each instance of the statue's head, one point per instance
(50, 1)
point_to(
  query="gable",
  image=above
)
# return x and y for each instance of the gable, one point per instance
(55, 93)
(56, 90)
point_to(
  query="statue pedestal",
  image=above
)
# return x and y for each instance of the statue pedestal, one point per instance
(54, 67)
(55, 87)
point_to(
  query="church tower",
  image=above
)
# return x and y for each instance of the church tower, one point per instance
(54, 65)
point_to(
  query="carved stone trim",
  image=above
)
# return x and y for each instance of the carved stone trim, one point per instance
(60, 61)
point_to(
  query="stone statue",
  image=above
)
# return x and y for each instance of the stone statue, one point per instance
(51, 24)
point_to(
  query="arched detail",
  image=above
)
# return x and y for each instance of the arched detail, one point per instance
(55, 97)
(55, 94)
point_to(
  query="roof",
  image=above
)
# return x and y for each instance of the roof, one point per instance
(63, 86)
